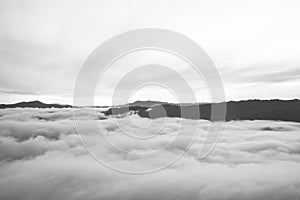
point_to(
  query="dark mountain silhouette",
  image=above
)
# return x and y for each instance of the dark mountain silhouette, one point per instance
(283, 110)
(135, 107)
(147, 103)
(33, 104)
(121, 110)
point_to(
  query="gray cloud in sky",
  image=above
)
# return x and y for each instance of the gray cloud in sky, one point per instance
(17, 92)
(263, 76)
(43, 44)
(282, 76)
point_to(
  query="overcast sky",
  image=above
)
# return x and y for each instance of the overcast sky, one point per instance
(255, 45)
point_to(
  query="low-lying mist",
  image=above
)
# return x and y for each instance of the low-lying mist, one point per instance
(42, 157)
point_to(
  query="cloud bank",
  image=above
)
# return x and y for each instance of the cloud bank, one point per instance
(42, 157)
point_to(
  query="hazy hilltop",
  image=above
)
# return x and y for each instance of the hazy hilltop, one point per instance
(281, 110)
(33, 104)
(147, 103)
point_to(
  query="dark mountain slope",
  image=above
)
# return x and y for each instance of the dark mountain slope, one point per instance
(241, 110)
(33, 104)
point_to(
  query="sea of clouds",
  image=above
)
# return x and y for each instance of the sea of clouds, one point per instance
(45, 155)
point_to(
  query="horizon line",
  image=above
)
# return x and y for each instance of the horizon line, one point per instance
(243, 100)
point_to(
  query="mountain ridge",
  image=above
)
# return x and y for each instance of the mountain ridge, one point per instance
(253, 109)
(274, 109)
(33, 104)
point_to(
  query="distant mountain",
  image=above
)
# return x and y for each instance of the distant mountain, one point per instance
(283, 110)
(33, 104)
(126, 109)
(146, 103)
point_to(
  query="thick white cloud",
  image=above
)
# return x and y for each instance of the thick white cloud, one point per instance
(42, 158)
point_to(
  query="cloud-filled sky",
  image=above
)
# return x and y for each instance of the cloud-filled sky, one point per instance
(255, 45)
(41, 157)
